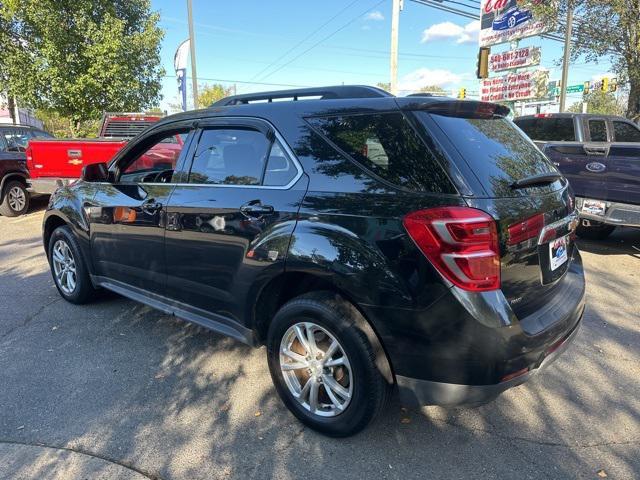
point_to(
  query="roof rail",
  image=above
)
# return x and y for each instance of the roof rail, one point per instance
(322, 93)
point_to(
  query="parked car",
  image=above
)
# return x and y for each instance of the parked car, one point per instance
(14, 197)
(511, 19)
(55, 162)
(447, 269)
(600, 156)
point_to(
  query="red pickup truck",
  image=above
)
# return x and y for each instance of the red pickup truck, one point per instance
(55, 162)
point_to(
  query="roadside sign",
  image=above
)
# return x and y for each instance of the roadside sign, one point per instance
(575, 88)
(505, 21)
(515, 86)
(519, 58)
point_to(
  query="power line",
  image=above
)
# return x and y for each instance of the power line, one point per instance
(325, 38)
(303, 40)
(248, 82)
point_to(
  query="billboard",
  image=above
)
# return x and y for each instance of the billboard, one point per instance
(508, 20)
(515, 86)
(519, 58)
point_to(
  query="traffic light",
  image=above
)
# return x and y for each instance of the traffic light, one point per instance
(605, 84)
(462, 94)
(482, 66)
(587, 88)
(613, 85)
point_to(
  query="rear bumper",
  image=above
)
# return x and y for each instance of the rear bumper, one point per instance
(46, 186)
(467, 350)
(618, 214)
(416, 393)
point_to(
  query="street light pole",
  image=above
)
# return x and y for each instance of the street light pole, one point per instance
(192, 49)
(567, 58)
(393, 64)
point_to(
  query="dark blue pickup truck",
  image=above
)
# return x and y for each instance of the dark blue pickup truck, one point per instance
(600, 155)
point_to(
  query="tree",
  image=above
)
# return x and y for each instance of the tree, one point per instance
(600, 103)
(79, 58)
(209, 94)
(384, 86)
(604, 29)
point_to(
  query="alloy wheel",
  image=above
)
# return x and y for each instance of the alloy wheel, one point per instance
(64, 267)
(316, 369)
(17, 199)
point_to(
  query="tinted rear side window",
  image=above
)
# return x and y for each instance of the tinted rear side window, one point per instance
(389, 147)
(548, 129)
(496, 151)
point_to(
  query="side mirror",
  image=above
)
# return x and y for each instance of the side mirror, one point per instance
(95, 172)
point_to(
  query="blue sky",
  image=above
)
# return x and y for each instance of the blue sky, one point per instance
(260, 41)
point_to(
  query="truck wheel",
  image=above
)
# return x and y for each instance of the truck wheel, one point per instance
(324, 366)
(595, 232)
(15, 199)
(68, 268)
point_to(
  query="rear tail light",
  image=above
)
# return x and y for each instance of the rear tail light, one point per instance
(461, 243)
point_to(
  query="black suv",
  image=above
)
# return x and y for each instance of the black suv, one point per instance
(369, 241)
(14, 194)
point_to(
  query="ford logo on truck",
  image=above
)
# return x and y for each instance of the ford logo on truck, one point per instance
(596, 167)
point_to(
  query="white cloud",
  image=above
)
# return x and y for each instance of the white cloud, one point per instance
(424, 76)
(376, 15)
(449, 30)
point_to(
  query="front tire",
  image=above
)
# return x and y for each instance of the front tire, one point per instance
(323, 364)
(68, 268)
(15, 201)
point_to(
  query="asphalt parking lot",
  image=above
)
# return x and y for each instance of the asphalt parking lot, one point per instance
(117, 390)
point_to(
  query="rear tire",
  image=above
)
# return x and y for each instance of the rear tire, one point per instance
(350, 389)
(595, 232)
(68, 268)
(15, 199)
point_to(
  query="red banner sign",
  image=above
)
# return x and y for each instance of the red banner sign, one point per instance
(515, 86)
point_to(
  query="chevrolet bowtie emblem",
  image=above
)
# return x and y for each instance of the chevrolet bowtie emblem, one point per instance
(75, 162)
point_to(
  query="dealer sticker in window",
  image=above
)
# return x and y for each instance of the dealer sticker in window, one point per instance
(558, 252)
(594, 207)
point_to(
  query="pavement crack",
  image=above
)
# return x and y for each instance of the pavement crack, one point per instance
(29, 318)
(88, 453)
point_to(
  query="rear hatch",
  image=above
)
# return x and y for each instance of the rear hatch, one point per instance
(507, 176)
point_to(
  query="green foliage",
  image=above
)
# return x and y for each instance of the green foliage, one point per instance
(604, 29)
(65, 127)
(600, 103)
(209, 94)
(80, 58)
(384, 86)
(432, 89)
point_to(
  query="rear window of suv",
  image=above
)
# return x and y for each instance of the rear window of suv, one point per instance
(548, 129)
(389, 147)
(497, 152)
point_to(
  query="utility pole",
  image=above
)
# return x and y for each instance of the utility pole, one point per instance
(567, 57)
(192, 49)
(395, 20)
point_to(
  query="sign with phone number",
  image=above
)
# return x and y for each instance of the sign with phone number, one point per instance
(520, 58)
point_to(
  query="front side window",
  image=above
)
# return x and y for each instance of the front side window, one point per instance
(625, 132)
(598, 130)
(157, 163)
(387, 145)
(17, 139)
(228, 156)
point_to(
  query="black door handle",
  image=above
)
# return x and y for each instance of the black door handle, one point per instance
(255, 209)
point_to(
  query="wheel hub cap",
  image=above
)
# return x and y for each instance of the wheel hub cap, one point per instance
(64, 267)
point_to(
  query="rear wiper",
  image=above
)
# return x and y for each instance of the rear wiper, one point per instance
(540, 179)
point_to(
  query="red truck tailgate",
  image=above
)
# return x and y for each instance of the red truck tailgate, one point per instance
(65, 158)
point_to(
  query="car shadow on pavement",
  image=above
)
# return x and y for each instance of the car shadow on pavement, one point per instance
(624, 240)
